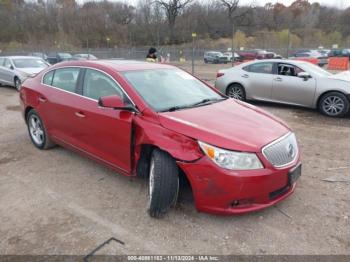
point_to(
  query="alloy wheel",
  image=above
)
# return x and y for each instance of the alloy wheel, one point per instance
(36, 130)
(236, 92)
(17, 84)
(333, 105)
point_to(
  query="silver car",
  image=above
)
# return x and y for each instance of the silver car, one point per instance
(288, 82)
(15, 69)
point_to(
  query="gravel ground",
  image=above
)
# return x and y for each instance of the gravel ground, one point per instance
(58, 202)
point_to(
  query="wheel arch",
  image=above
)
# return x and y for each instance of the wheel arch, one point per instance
(235, 83)
(143, 165)
(26, 111)
(318, 99)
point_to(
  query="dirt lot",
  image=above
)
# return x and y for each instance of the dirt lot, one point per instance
(57, 202)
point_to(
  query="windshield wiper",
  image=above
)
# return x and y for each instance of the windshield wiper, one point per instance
(206, 101)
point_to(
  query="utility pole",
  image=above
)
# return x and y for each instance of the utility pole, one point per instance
(288, 43)
(194, 35)
(232, 45)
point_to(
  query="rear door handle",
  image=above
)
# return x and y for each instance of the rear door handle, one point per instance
(245, 76)
(278, 79)
(80, 114)
(42, 99)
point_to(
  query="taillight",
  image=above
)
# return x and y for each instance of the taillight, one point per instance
(219, 74)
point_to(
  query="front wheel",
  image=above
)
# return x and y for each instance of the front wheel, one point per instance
(17, 83)
(334, 104)
(236, 91)
(163, 183)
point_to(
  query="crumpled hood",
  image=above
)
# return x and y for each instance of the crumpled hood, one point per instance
(228, 124)
(30, 71)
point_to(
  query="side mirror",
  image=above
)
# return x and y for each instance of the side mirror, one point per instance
(11, 67)
(304, 75)
(115, 102)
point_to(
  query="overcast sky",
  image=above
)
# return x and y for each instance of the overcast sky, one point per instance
(336, 3)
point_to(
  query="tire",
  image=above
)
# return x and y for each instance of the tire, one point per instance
(236, 91)
(205, 61)
(163, 183)
(17, 83)
(334, 104)
(37, 131)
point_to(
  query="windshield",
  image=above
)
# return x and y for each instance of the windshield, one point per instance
(316, 70)
(170, 89)
(29, 63)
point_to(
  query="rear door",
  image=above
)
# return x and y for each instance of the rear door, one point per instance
(291, 89)
(259, 78)
(58, 104)
(104, 132)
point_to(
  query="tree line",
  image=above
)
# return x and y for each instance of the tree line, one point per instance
(103, 24)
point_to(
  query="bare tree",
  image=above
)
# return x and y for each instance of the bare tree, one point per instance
(173, 9)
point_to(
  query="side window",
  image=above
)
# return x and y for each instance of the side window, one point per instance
(289, 70)
(260, 68)
(2, 61)
(66, 78)
(97, 84)
(7, 63)
(47, 80)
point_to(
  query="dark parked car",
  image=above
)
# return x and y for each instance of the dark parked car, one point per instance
(54, 58)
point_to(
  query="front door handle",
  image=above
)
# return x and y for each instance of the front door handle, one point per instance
(42, 99)
(80, 114)
(245, 76)
(278, 79)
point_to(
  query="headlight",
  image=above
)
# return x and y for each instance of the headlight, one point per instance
(230, 159)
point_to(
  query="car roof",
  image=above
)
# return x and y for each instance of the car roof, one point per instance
(283, 61)
(20, 57)
(118, 65)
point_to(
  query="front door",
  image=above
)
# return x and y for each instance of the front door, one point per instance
(104, 132)
(291, 89)
(259, 78)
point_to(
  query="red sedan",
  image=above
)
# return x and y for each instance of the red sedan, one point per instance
(157, 121)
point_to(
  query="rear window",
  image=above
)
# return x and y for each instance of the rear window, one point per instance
(261, 68)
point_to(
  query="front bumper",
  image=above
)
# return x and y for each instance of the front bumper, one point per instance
(225, 192)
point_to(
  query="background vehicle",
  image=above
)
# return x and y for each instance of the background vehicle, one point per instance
(38, 54)
(322, 58)
(215, 58)
(157, 121)
(339, 53)
(54, 58)
(230, 56)
(257, 54)
(15, 69)
(84, 57)
(289, 82)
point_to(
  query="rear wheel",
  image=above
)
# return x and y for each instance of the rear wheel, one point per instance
(163, 183)
(236, 91)
(334, 104)
(17, 83)
(37, 131)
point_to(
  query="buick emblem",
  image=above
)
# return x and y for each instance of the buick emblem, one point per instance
(290, 150)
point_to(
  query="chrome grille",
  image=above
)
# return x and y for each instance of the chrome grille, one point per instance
(282, 151)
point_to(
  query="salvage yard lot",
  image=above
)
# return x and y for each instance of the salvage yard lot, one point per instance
(57, 202)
